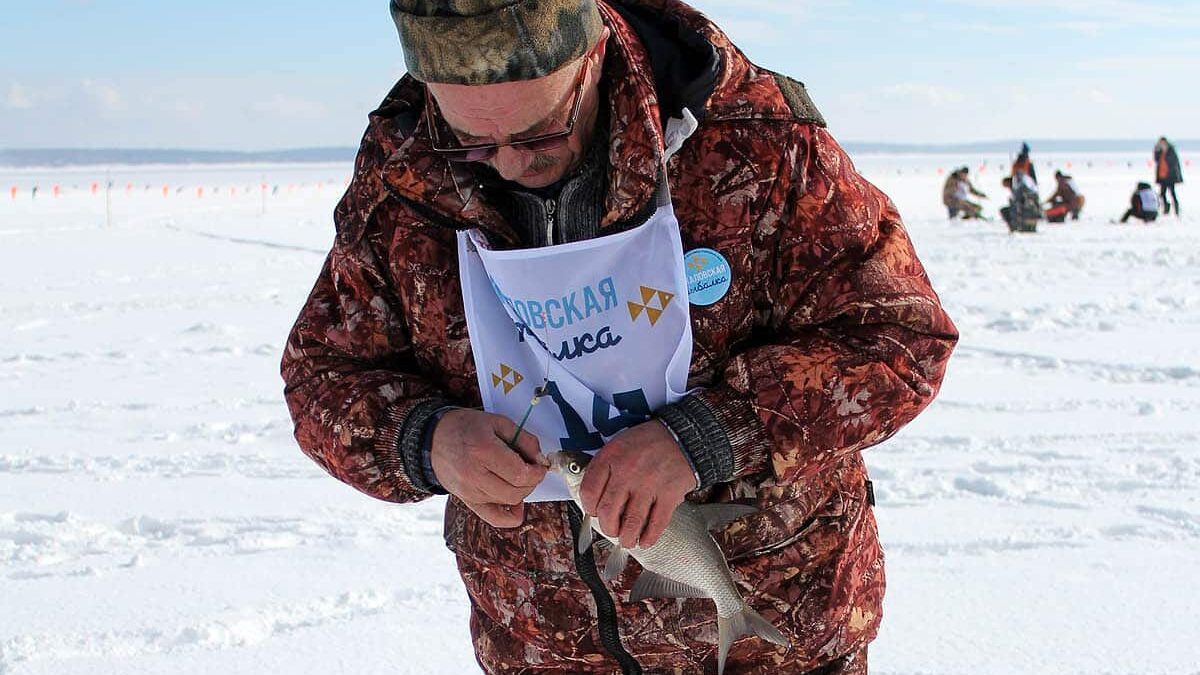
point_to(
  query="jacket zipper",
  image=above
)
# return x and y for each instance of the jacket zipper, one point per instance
(551, 205)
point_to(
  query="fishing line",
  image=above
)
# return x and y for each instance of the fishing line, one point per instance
(538, 392)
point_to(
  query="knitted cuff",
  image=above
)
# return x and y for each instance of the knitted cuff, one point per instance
(703, 440)
(410, 443)
(744, 429)
(720, 433)
(427, 445)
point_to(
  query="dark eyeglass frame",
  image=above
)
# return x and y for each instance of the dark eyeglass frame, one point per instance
(480, 152)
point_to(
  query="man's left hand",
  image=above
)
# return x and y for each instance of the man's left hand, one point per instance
(635, 482)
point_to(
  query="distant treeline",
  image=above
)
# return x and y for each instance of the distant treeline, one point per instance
(90, 157)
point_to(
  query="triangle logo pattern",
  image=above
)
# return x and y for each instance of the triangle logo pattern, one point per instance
(647, 305)
(508, 378)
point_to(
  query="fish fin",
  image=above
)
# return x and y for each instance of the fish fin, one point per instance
(719, 514)
(617, 558)
(745, 622)
(585, 534)
(651, 585)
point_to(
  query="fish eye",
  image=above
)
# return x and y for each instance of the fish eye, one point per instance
(573, 467)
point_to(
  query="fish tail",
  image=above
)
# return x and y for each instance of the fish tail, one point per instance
(745, 622)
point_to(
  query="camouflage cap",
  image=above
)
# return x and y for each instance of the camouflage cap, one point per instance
(490, 41)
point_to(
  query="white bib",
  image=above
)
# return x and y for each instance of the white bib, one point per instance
(606, 321)
(1149, 200)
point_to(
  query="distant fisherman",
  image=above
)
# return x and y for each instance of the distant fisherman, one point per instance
(1067, 199)
(604, 208)
(1143, 205)
(1024, 208)
(1167, 173)
(956, 195)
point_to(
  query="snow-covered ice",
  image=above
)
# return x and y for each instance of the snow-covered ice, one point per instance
(156, 516)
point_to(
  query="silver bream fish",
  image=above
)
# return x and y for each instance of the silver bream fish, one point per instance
(684, 563)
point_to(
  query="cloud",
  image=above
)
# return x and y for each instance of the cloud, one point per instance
(290, 107)
(1088, 28)
(105, 96)
(17, 98)
(931, 94)
(764, 22)
(1139, 64)
(762, 31)
(779, 8)
(1097, 96)
(1097, 15)
(980, 28)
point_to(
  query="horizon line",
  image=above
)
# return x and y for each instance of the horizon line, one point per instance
(75, 156)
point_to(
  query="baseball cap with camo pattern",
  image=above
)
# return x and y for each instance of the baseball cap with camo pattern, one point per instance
(491, 41)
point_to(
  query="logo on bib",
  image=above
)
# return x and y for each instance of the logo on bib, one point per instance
(507, 377)
(708, 276)
(663, 299)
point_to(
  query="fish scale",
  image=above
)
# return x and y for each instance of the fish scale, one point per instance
(676, 556)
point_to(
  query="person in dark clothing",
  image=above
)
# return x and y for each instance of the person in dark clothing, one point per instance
(1143, 205)
(1167, 173)
(1024, 165)
(1066, 199)
(1024, 209)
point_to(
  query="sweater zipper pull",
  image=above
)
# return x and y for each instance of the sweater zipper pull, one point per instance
(551, 205)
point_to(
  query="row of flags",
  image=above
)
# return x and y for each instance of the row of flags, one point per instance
(201, 191)
(167, 190)
(1091, 164)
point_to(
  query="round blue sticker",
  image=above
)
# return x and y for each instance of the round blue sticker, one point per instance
(708, 276)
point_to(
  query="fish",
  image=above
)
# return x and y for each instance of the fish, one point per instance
(684, 563)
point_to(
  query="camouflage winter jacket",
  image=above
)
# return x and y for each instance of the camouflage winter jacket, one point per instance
(829, 340)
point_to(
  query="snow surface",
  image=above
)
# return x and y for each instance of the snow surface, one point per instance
(157, 517)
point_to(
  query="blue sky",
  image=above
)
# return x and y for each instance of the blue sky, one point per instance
(266, 74)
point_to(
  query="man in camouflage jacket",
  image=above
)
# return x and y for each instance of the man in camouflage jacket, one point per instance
(829, 340)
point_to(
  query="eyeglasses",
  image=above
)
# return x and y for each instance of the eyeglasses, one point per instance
(480, 152)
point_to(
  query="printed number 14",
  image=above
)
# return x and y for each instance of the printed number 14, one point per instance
(632, 408)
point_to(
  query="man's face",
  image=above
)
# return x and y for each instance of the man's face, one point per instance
(508, 111)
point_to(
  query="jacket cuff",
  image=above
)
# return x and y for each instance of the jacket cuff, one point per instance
(401, 443)
(720, 433)
(427, 445)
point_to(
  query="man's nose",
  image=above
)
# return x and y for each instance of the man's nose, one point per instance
(511, 161)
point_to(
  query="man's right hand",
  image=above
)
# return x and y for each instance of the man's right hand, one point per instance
(472, 460)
